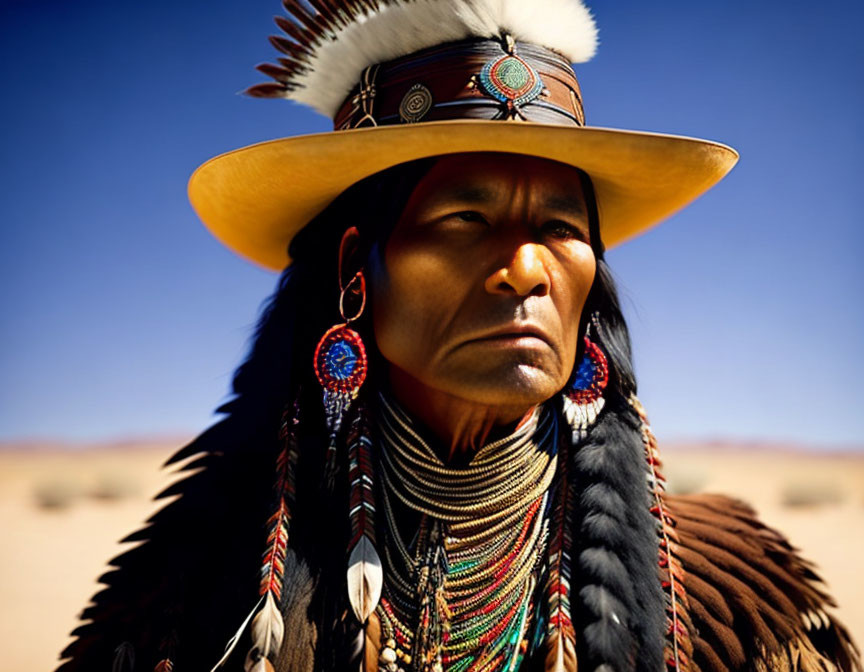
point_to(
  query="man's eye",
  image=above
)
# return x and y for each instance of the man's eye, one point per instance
(470, 216)
(563, 230)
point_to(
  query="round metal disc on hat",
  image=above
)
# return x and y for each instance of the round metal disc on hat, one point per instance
(415, 104)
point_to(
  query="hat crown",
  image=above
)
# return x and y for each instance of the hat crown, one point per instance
(476, 78)
(327, 44)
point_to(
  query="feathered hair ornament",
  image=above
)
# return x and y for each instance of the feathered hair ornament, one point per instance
(560, 634)
(268, 627)
(365, 573)
(328, 43)
(678, 650)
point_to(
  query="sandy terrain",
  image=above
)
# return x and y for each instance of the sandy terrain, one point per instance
(52, 556)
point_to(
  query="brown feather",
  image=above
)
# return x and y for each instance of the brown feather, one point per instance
(295, 32)
(707, 656)
(295, 50)
(711, 598)
(771, 602)
(266, 90)
(357, 8)
(722, 639)
(561, 653)
(741, 596)
(781, 560)
(741, 545)
(314, 24)
(753, 599)
(334, 17)
(280, 74)
(772, 555)
(289, 48)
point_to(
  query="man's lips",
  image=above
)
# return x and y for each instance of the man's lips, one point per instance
(516, 335)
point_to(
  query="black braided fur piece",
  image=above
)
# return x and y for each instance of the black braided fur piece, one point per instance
(617, 599)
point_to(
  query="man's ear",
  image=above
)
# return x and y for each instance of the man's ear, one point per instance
(349, 264)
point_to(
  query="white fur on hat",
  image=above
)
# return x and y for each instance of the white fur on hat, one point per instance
(336, 59)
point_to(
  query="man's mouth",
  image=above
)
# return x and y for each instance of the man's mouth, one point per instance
(514, 335)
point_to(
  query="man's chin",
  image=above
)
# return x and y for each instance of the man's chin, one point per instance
(521, 385)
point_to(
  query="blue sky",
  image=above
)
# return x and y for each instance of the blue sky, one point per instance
(121, 316)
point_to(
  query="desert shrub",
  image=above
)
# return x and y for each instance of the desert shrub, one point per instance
(113, 487)
(55, 493)
(684, 480)
(809, 494)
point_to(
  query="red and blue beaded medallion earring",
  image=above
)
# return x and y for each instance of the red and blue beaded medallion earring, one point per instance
(583, 398)
(341, 364)
(591, 376)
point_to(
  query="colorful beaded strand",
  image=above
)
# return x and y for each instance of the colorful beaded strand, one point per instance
(496, 520)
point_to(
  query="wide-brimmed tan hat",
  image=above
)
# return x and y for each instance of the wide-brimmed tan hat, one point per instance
(480, 93)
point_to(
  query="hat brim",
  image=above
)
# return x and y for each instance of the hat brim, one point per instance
(255, 199)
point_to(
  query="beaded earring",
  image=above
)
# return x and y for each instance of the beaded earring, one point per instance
(583, 399)
(340, 365)
(591, 377)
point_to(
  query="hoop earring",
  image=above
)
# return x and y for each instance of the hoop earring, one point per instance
(340, 366)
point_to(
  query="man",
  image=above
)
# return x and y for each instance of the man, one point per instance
(441, 388)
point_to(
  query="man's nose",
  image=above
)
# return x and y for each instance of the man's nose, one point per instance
(524, 275)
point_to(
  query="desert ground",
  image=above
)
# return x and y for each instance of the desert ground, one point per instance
(64, 507)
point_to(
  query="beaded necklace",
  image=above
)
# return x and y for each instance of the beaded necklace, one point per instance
(464, 546)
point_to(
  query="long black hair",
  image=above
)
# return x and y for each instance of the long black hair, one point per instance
(618, 602)
(183, 591)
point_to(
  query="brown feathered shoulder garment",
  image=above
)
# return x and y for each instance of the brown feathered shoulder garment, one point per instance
(749, 601)
(754, 603)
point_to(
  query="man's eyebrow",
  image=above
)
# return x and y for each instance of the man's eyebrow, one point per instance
(468, 193)
(568, 203)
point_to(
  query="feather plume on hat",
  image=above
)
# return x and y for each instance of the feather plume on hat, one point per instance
(330, 42)
(370, 65)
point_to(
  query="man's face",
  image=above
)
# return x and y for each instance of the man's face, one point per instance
(479, 290)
